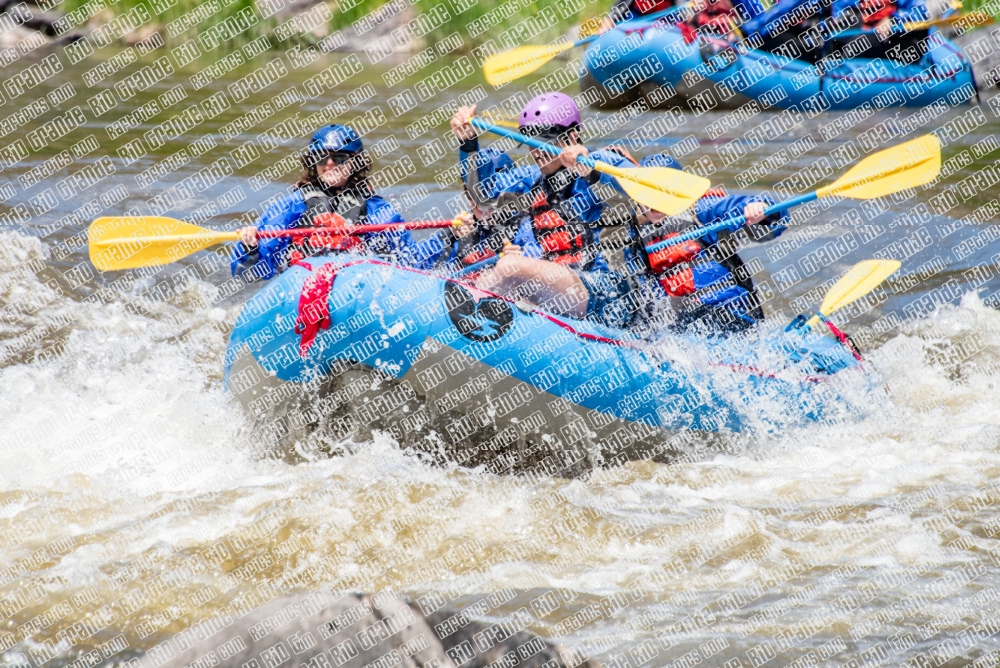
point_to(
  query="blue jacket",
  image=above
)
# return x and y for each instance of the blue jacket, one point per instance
(710, 210)
(713, 209)
(266, 260)
(766, 23)
(492, 189)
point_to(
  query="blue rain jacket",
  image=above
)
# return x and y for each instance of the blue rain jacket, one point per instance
(767, 22)
(709, 210)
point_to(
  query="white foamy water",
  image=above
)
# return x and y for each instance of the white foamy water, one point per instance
(124, 464)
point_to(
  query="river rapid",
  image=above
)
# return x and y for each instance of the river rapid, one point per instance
(136, 500)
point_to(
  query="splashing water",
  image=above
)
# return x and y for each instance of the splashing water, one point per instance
(126, 465)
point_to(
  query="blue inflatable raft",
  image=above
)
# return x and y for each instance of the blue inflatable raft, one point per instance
(654, 61)
(478, 379)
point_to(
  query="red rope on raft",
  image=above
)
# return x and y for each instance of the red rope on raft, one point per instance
(314, 313)
(319, 285)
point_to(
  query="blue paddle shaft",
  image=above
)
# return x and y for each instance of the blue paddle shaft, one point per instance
(857, 32)
(480, 124)
(733, 223)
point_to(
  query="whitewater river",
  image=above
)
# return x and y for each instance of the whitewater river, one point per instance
(135, 500)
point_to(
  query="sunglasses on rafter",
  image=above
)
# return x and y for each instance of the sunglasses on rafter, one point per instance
(321, 158)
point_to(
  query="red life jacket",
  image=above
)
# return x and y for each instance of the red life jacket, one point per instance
(716, 18)
(873, 11)
(678, 284)
(671, 256)
(558, 243)
(666, 262)
(643, 7)
(321, 242)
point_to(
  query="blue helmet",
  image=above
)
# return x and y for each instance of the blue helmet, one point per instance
(660, 160)
(335, 137)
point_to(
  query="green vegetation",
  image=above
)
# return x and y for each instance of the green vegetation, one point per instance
(214, 13)
(459, 15)
(567, 13)
(992, 7)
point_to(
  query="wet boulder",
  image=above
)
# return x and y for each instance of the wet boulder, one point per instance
(353, 630)
(981, 47)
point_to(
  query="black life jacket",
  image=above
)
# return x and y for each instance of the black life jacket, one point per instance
(349, 203)
(337, 210)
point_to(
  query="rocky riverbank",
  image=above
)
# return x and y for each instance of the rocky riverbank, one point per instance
(391, 32)
(381, 31)
(30, 26)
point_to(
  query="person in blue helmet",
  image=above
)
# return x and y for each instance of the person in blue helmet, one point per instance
(707, 274)
(333, 191)
(550, 215)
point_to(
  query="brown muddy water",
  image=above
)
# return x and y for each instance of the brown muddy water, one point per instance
(135, 500)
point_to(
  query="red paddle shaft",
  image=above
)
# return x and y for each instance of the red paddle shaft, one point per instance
(359, 229)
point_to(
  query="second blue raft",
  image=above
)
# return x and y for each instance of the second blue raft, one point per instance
(655, 61)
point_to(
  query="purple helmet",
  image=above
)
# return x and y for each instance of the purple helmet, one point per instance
(550, 110)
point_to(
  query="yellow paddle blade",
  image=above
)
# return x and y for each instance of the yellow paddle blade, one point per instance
(971, 20)
(505, 67)
(591, 26)
(860, 279)
(669, 191)
(147, 241)
(907, 165)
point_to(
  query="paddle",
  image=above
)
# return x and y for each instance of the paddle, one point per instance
(860, 279)
(502, 68)
(907, 165)
(974, 19)
(668, 190)
(147, 241)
